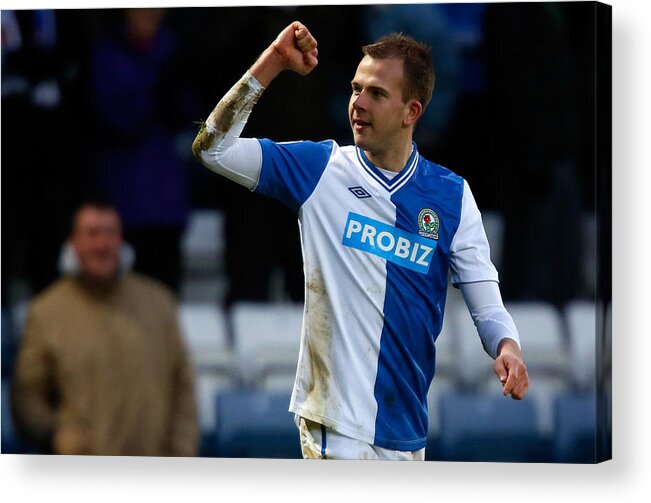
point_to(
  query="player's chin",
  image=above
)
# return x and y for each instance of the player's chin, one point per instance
(360, 141)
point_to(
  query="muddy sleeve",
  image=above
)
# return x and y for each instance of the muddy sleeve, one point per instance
(218, 144)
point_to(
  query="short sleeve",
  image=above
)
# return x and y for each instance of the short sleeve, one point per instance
(291, 171)
(470, 252)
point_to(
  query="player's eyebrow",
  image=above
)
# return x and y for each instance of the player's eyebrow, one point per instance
(384, 91)
(378, 88)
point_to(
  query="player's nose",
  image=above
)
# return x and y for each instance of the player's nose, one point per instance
(359, 101)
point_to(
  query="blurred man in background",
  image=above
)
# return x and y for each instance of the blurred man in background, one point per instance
(102, 368)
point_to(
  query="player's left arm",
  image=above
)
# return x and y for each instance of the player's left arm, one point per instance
(498, 335)
(476, 276)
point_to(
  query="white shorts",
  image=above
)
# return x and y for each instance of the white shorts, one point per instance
(319, 442)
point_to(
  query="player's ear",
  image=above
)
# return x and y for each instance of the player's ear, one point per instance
(413, 113)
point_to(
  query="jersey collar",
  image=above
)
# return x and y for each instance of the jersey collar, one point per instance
(397, 181)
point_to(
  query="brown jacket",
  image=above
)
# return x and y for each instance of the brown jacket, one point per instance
(106, 372)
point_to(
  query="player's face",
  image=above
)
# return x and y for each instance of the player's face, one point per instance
(377, 113)
(97, 239)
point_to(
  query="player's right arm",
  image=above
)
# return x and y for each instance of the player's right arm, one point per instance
(217, 144)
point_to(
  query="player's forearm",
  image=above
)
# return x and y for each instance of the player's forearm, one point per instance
(217, 144)
(268, 66)
(231, 111)
(494, 324)
(234, 108)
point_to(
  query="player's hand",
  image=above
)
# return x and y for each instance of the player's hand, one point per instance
(296, 48)
(511, 370)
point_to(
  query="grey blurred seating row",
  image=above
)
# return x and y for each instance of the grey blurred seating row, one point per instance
(559, 348)
(266, 338)
(263, 355)
(474, 427)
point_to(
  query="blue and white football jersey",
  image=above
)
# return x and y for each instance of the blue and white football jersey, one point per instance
(377, 252)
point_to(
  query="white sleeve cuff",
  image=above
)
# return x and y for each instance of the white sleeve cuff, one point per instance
(492, 320)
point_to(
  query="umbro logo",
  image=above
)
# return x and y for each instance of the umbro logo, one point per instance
(359, 192)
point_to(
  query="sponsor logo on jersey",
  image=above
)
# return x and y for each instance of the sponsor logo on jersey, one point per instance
(359, 192)
(428, 223)
(390, 243)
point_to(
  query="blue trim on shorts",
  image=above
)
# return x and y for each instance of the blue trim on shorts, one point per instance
(323, 442)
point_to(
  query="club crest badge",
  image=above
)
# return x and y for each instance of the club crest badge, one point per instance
(428, 224)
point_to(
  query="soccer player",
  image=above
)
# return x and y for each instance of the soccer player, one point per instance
(380, 228)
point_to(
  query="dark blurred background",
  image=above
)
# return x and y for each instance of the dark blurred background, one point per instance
(110, 100)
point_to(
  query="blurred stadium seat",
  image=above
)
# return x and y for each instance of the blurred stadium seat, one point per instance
(446, 377)
(215, 369)
(267, 340)
(202, 244)
(581, 320)
(207, 387)
(575, 427)
(475, 365)
(543, 390)
(202, 252)
(542, 393)
(478, 427)
(204, 330)
(447, 343)
(542, 336)
(256, 424)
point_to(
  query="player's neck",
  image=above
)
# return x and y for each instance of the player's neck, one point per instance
(392, 159)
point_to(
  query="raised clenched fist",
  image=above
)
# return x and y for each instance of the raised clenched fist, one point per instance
(296, 48)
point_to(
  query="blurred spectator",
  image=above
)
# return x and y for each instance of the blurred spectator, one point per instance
(41, 55)
(141, 105)
(102, 368)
